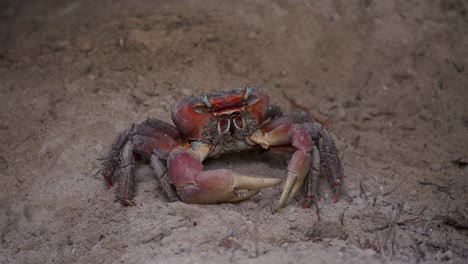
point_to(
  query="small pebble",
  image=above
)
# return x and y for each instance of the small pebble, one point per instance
(358, 201)
(187, 92)
(84, 44)
(98, 148)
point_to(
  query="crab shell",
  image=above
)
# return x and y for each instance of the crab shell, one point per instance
(190, 115)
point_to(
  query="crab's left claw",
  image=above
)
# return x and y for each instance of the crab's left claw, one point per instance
(214, 186)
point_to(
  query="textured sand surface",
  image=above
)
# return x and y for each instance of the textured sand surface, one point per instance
(390, 76)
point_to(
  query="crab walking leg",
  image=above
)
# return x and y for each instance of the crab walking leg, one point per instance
(126, 169)
(312, 179)
(152, 139)
(328, 154)
(113, 159)
(160, 172)
(331, 163)
(194, 185)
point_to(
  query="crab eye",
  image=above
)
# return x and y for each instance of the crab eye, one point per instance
(206, 101)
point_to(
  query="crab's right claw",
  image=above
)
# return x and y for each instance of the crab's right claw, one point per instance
(247, 186)
(215, 186)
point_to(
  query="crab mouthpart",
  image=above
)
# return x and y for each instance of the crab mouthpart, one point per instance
(224, 125)
(229, 123)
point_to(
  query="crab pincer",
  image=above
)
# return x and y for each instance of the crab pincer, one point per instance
(194, 185)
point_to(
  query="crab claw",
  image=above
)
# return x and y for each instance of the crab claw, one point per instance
(297, 171)
(194, 185)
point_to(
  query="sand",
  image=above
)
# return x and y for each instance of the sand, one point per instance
(390, 77)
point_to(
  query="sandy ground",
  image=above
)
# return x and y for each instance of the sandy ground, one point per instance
(390, 76)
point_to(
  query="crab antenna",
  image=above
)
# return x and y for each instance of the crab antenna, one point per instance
(247, 91)
(206, 101)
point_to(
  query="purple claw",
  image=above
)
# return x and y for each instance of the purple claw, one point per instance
(215, 186)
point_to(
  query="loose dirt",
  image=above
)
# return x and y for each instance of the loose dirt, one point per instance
(390, 77)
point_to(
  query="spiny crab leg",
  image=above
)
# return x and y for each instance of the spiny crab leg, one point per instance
(312, 179)
(194, 185)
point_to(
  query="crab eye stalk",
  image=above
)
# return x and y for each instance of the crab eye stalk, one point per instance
(246, 96)
(247, 92)
(206, 101)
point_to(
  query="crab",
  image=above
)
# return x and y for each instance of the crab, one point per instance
(224, 122)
